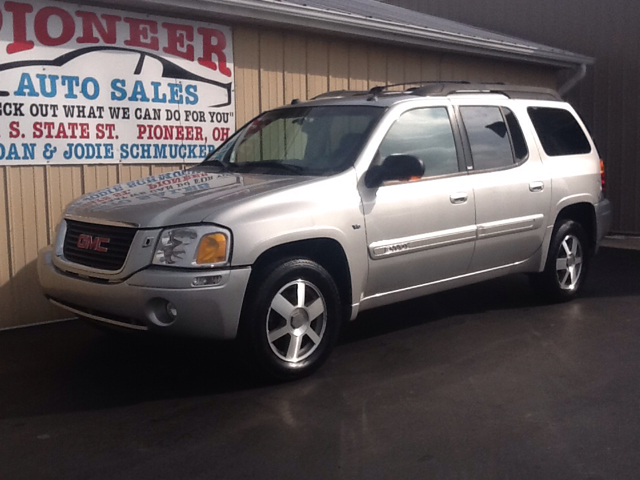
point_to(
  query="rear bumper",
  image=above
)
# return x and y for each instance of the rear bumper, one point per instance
(140, 301)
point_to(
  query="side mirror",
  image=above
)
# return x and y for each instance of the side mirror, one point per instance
(394, 167)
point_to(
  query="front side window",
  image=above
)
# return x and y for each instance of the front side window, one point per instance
(559, 132)
(299, 140)
(426, 134)
(488, 137)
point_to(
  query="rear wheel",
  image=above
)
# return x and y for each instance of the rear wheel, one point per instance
(291, 319)
(567, 263)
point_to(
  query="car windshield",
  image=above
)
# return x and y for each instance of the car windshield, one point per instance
(299, 140)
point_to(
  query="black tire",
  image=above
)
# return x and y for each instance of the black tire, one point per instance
(283, 336)
(567, 263)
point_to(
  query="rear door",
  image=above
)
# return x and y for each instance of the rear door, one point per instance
(512, 189)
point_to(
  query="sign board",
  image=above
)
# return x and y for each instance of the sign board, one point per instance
(82, 85)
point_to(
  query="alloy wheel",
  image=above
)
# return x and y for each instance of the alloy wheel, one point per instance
(296, 321)
(569, 262)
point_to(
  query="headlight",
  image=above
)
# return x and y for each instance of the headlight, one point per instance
(60, 232)
(197, 246)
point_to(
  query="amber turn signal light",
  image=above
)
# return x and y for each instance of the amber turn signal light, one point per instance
(212, 249)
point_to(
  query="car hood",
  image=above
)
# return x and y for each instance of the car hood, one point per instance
(181, 197)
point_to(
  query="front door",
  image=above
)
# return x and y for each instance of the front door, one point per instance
(421, 230)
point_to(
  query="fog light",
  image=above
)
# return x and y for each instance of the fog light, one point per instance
(206, 281)
(172, 311)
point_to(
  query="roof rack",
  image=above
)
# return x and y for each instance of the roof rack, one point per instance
(341, 94)
(437, 89)
(442, 89)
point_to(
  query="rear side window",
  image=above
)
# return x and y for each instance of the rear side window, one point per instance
(488, 137)
(559, 132)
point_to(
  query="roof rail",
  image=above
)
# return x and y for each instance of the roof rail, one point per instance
(340, 94)
(442, 89)
(438, 89)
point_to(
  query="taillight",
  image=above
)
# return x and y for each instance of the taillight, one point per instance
(602, 176)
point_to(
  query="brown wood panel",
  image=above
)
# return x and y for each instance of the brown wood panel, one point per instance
(464, 68)
(37, 309)
(133, 172)
(6, 270)
(28, 233)
(317, 67)
(338, 65)
(89, 177)
(96, 177)
(396, 61)
(246, 48)
(412, 67)
(295, 68)
(271, 70)
(39, 214)
(358, 67)
(377, 66)
(430, 66)
(23, 214)
(64, 184)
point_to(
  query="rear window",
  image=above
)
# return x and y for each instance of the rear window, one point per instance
(559, 132)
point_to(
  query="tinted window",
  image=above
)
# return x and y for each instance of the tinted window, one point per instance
(306, 140)
(425, 133)
(520, 149)
(559, 132)
(488, 137)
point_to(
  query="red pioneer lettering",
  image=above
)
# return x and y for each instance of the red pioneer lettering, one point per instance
(20, 41)
(60, 25)
(91, 22)
(42, 31)
(87, 242)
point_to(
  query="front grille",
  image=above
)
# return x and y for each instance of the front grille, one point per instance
(92, 255)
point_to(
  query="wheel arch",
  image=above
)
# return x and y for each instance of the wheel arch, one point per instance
(325, 251)
(580, 211)
(583, 213)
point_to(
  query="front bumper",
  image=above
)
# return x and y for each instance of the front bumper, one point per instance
(139, 302)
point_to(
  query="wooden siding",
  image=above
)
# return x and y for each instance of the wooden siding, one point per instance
(271, 68)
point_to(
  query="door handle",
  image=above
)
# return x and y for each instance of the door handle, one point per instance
(536, 186)
(458, 197)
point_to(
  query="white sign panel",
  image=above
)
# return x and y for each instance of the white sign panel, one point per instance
(81, 85)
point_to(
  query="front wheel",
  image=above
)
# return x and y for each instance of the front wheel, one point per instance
(567, 263)
(291, 319)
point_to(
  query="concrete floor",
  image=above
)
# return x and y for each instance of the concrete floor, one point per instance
(481, 382)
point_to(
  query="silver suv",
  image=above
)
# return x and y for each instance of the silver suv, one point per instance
(316, 211)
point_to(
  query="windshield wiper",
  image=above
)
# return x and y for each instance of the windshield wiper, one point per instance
(277, 164)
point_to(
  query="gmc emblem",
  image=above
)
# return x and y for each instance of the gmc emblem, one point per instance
(87, 242)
